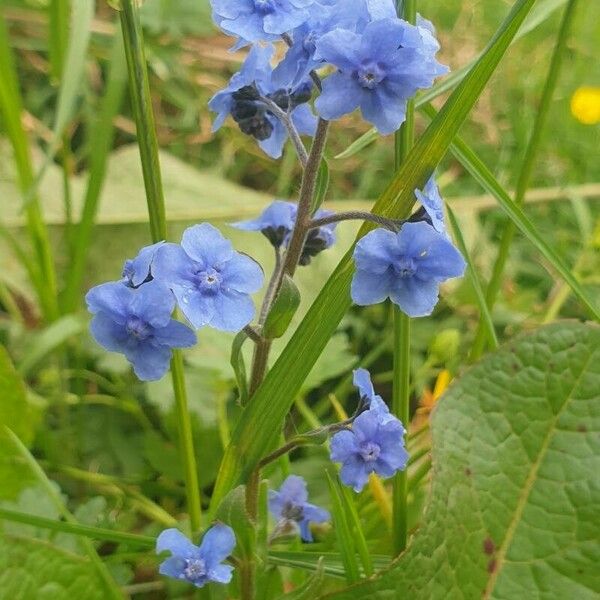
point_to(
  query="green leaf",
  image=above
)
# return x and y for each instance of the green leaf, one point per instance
(513, 506)
(342, 525)
(15, 412)
(35, 569)
(239, 366)
(284, 308)
(253, 436)
(232, 512)
(311, 588)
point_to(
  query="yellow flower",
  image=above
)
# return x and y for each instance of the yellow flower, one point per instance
(585, 105)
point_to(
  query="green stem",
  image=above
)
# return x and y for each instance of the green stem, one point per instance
(526, 169)
(148, 144)
(402, 326)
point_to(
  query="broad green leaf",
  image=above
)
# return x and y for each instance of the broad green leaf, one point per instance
(513, 511)
(253, 437)
(15, 412)
(35, 569)
(284, 308)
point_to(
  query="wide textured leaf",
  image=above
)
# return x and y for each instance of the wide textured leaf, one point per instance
(35, 569)
(253, 437)
(515, 501)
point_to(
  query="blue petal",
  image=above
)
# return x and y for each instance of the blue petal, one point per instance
(221, 574)
(341, 95)
(381, 9)
(316, 514)
(432, 201)
(415, 297)
(340, 48)
(110, 298)
(385, 110)
(233, 311)
(305, 532)
(150, 363)
(370, 288)
(217, 544)
(110, 335)
(276, 503)
(383, 37)
(362, 380)
(205, 244)
(304, 120)
(242, 274)
(355, 473)
(343, 445)
(172, 266)
(283, 21)
(176, 543)
(199, 309)
(273, 145)
(136, 271)
(175, 335)
(395, 456)
(365, 426)
(277, 214)
(293, 490)
(173, 567)
(154, 303)
(376, 251)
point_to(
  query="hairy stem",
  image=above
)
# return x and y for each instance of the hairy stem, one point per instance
(356, 215)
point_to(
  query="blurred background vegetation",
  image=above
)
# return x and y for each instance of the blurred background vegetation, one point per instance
(105, 437)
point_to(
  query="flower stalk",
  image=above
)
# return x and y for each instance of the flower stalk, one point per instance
(148, 144)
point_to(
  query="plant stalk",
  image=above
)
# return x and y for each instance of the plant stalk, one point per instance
(402, 326)
(144, 117)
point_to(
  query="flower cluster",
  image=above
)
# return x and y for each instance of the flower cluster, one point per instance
(375, 444)
(209, 281)
(376, 61)
(277, 222)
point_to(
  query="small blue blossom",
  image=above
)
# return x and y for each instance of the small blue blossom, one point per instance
(300, 59)
(138, 324)
(290, 505)
(211, 281)
(407, 267)
(260, 20)
(277, 222)
(379, 70)
(433, 204)
(373, 401)
(243, 100)
(197, 564)
(139, 269)
(373, 445)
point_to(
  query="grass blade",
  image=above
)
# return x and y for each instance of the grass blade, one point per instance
(485, 317)
(253, 436)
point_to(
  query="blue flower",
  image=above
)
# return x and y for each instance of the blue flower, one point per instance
(373, 401)
(378, 71)
(243, 100)
(301, 58)
(211, 281)
(197, 564)
(433, 204)
(290, 504)
(139, 270)
(260, 20)
(407, 267)
(138, 324)
(277, 222)
(374, 445)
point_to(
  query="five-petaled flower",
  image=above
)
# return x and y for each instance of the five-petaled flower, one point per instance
(373, 445)
(290, 505)
(247, 96)
(197, 564)
(406, 267)
(211, 281)
(138, 324)
(277, 221)
(378, 71)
